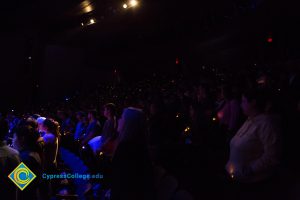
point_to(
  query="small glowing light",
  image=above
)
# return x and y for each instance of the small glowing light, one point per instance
(12, 110)
(270, 39)
(279, 89)
(214, 119)
(101, 153)
(92, 21)
(29, 58)
(82, 24)
(125, 6)
(232, 176)
(231, 169)
(186, 129)
(87, 6)
(133, 3)
(83, 147)
(88, 9)
(220, 115)
(177, 116)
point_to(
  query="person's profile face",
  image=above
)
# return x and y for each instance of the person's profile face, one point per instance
(40, 127)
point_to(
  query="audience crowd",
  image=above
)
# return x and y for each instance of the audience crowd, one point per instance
(224, 133)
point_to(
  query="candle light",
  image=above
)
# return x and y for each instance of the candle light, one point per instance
(186, 129)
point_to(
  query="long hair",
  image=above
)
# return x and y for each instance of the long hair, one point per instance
(52, 126)
(134, 127)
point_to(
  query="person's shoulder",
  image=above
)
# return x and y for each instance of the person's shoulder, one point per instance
(49, 135)
(266, 120)
(12, 151)
(13, 154)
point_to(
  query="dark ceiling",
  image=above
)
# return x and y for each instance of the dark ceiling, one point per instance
(152, 34)
(56, 17)
(155, 21)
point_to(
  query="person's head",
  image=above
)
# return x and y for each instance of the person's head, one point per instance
(109, 110)
(51, 126)
(3, 129)
(80, 116)
(62, 115)
(92, 114)
(35, 116)
(253, 102)
(25, 137)
(40, 122)
(131, 125)
(32, 122)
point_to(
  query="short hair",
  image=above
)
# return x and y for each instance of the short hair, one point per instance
(32, 122)
(3, 129)
(80, 113)
(41, 120)
(30, 135)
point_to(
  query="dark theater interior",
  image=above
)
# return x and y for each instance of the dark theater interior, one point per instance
(149, 100)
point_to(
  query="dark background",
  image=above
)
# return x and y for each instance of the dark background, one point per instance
(46, 54)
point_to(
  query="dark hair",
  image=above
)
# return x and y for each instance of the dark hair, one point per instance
(3, 129)
(52, 126)
(80, 113)
(32, 122)
(259, 96)
(29, 134)
(35, 116)
(93, 112)
(227, 91)
(111, 107)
